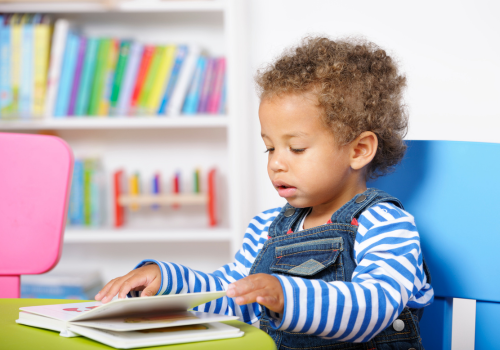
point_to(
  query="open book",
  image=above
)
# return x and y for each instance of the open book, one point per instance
(135, 322)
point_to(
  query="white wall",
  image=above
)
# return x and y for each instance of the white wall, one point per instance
(449, 50)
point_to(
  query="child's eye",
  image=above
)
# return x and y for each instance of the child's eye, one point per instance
(269, 150)
(297, 150)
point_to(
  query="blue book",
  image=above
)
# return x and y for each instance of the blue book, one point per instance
(85, 87)
(67, 75)
(5, 55)
(133, 63)
(193, 95)
(179, 58)
(75, 210)
(27, 63)
(222, 105)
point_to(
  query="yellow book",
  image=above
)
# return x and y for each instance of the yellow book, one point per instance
(161, 80)
(108, 80)
(15, 33)
(41, 35)
(134, 189)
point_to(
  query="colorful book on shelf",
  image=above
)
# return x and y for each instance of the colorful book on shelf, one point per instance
(59, 38)
(130, 76)
(96, 194)
(88, 170)
(161, 79)
(108, 78)
(77, 76)
(121, 64)
(26, 75)
(15, 39)
(67, 75)
(76, 199)
(102, 63)
(150, 79)
(42, 32)
(86, 79)
(147, 55)
(193, 96)
(215, 96)
(186, 74)
(207, 85)
(5, 66)
(222, 106)
(162, 320)
(180, 56)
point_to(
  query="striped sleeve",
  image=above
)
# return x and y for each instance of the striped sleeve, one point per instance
(178, 279)
(388, 276)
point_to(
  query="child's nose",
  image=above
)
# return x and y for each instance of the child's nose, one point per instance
(277, 162)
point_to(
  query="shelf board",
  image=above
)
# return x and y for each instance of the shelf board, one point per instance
(204, 121)
(101, 235)
(120, 6)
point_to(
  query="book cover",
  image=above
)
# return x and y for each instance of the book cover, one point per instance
(77, 77)
(15, 73)
(42, 32)
(136, 50)
(5, 66)
(121, 65)
(181, 89)
(102, 63)
(27, 63)
(216, 91)
(75, 208)
(86, 79)
(206, 85)
(147, 55)
(108, 78)
(193, 96)
(150, 78)
(180, 56)
(161, 79)
(59, 38)
(67, 75)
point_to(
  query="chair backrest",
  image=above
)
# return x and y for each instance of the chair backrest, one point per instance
(35, 177)
(453, 191)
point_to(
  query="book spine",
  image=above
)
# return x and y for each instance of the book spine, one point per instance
(136, 50)
(87, 191)
(191, 102)
(75, 209)
(5, 67)
(147, 55)
(67, 75)
(88, 70)
(42, 52)
(26, 74)
(150, 78)
(206, 85)
(95, 195)
(16, 33)
(222, 103)
(215, 97)
(108, 78)
(78, 73)
(59, 39)
(174, 76)
(121, 65)
(99, 76)
(162, 78)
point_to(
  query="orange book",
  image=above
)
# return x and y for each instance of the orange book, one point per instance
(141, 76)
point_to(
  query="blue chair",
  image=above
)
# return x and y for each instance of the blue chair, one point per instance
(453, 190)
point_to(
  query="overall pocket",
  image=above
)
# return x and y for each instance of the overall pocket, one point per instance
(318, 259)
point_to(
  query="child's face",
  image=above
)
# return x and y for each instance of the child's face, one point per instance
(305, 164)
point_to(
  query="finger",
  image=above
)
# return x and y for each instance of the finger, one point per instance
(245, 285)
(152, 289)
(104, 290)
(271, 302)
(135, 281)
(250, 297)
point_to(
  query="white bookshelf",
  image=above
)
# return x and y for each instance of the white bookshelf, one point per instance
(165, 143)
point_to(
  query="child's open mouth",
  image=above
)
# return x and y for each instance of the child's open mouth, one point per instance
(285, 190)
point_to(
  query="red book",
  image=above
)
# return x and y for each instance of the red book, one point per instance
(147, 56)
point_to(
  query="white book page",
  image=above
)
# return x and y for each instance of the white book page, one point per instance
(63, 312)
(172, 319)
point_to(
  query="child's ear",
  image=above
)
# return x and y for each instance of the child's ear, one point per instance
(363, 150)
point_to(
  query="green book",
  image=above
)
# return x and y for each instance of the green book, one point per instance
(88, 169)
(119, 73)
(150, 78)
(88, 70)
(99, 76)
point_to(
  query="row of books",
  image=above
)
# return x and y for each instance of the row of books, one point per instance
(90, 76)
(86, 203)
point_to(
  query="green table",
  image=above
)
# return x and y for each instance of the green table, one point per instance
(14, 336)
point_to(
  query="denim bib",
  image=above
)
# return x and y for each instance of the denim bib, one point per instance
(326, 252)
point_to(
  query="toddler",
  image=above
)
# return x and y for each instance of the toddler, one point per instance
(340, 265)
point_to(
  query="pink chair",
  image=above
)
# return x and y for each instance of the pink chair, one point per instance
(35, 178)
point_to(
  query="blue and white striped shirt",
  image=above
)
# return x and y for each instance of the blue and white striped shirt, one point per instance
(389, 276)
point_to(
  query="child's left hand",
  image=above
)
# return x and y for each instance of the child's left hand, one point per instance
(261, 288)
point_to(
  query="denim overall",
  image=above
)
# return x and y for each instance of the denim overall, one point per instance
(327, 252)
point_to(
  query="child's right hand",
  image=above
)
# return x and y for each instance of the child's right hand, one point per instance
(146, 279)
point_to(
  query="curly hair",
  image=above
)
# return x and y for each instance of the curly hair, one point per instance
(358, 88)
